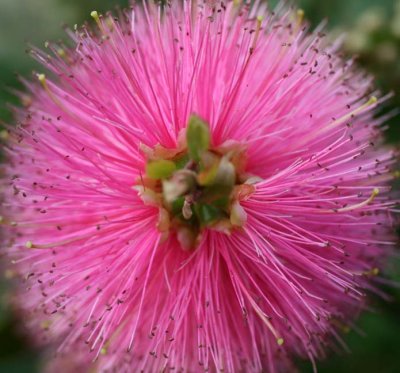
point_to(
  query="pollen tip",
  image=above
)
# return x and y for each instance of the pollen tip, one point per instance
(375, 192)
(300, 16)
(94, 14)
(29, 244)
(260, 19)
(61, 52)
(280, 341)
(45, 324)
(4, 135)
(41, 77)
(372, 100)
(9, 274)
(375, 271)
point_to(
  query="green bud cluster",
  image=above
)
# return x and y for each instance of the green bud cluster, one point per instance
(194, 187)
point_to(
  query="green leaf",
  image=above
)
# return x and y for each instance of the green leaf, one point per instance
(162, 169)
(197, 137)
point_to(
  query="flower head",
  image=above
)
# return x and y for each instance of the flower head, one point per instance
(199, 186)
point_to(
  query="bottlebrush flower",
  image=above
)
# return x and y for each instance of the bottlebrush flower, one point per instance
(196, 187)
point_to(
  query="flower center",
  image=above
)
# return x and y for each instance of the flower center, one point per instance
(196, 186)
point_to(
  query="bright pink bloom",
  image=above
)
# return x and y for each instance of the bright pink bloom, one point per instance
(107, 282)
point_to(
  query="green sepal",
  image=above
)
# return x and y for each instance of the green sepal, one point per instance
(215, 192)
(207, 214)
(207, 177)
(181, 161)
(197, 137)
(222, 203)
(162, 169)
(226, 175)
(177, 206)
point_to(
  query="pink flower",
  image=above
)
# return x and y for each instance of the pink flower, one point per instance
(199, 187)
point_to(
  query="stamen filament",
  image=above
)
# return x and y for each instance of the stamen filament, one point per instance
(95, 15)
(257, 33)
(43, 81)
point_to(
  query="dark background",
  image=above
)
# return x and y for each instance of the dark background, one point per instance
(372, 32)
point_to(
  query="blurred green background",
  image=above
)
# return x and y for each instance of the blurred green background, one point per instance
(372, 31)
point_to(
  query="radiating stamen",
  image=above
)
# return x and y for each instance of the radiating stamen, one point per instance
(43, 81)
(95, 15)
(257, 33)
(300, 16)
(374, 193)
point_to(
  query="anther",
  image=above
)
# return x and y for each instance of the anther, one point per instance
(300, 16)
(372, 272)
(368, 201)
(336, 122)
(372, 100)
(95, 15)
(4, 135)
(42, 80)
(61, 52)
(257, 33)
